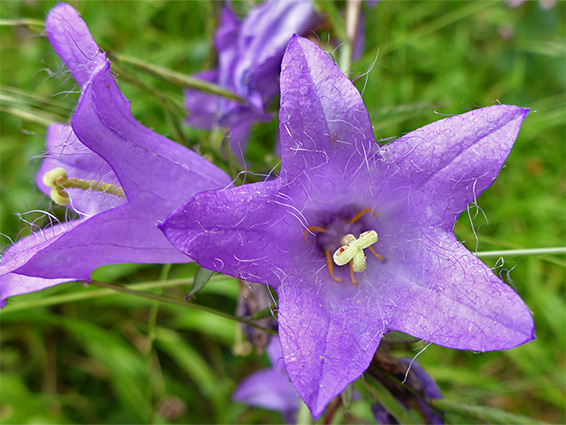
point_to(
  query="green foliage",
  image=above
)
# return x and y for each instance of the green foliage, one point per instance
(76, 355)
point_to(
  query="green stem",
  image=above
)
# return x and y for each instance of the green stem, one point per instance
(176, 78)
(26, 22)
(174, 301)
(352, 21)
(86, 294)
(43, 119)
(522, 252)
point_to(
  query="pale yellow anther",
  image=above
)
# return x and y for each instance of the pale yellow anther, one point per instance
(353, 250)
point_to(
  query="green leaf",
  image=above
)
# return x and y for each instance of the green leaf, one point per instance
(486, 415)
(202, 276)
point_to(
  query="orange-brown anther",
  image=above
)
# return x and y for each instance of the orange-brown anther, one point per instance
(354, 281)
(375, 253)
(313, 229)
(331, 267)
(362, 212)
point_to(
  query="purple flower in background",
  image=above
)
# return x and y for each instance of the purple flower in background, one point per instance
(545, 4)
(411, 386)
(425, 386)
(149, 176)
(270, 388)
(249, 63)
(339, 191)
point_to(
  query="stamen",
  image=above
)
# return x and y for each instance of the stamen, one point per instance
(375, 253)
(362, 212)
(354, 281)
(313, 229)
(58, 180)
(331, 267)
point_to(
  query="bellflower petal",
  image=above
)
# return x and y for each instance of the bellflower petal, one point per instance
(447, 164)
(336, 130)
(336, 181)
(105, 143)
(71, 39)
(246, 223)
(329, 330)
(20, 253)
(463, 304)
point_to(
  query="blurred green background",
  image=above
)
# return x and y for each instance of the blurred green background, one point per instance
(94, 357)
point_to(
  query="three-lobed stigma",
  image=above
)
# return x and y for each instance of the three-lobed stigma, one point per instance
(58, 180)
(352, 249)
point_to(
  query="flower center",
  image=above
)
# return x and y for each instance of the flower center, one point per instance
(58, 180)
(338, 236)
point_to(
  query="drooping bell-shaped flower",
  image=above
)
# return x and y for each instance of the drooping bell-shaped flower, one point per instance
(336, 184)
(249, 63)
(119, 176)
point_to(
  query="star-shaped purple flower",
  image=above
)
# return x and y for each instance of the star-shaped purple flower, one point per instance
(249, 62)
(336, 181)
(105, 145)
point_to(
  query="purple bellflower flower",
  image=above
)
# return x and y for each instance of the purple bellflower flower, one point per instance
(270, 388)
(249, 63)
(146, 176)
(340, 194)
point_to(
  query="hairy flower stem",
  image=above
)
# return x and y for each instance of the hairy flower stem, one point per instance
(34, 24)
(174, 301)
(522, 252)
(352, 21)
(95, 293)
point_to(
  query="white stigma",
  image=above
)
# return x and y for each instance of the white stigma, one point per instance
(353, 250)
